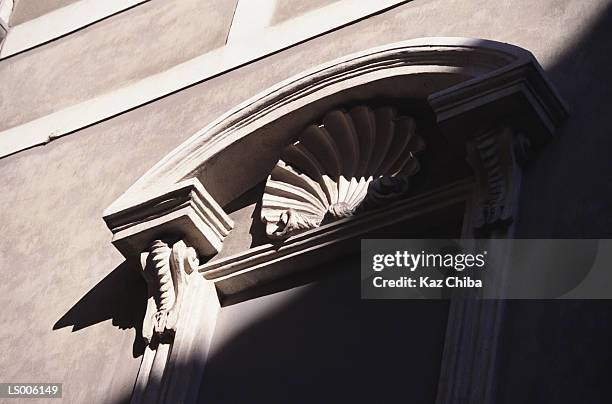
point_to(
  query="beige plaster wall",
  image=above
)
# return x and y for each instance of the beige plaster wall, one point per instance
(131, 45)
(55, 251)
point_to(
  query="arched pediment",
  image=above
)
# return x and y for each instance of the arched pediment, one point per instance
(458, 76)
(337, 161)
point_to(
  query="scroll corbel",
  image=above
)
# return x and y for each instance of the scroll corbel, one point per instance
(496, 156)
(167, 270)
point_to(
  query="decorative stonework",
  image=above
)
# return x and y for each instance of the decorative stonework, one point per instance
(496, 156)
(181, 310)
(413, 69)
(518, 93)
(166, 270)
(353, 161)
(184, 210)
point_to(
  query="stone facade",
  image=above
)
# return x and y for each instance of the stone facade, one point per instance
(161, 242)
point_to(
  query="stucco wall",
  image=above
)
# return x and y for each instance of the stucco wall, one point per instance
(112, 53)
(55, 253)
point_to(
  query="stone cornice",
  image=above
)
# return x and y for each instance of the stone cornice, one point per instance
(182, 211)
(519, 93)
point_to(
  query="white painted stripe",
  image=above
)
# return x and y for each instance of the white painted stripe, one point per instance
(218, 61)
(61, 22)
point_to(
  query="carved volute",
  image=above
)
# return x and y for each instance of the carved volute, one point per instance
(166, 270)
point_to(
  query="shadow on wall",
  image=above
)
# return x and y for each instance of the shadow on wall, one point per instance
(559, 351)
(120, 296)
(567, 190)
(311, 338)
(321, 343)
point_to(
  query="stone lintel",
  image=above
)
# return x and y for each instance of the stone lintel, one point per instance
(183, 211)
(241, 274)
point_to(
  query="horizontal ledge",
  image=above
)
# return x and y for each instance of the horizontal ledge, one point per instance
(60, 22)
(185, 210)
(71, 119)
(43, 130)
(519, 93)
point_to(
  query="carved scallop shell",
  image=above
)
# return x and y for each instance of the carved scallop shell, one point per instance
(351, 160)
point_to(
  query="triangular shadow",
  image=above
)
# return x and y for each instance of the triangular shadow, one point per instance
(120, 296)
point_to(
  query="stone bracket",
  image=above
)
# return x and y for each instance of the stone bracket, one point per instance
(495, 156)
(169, 230)
(166, 270)
(496, 119)
(171, 370)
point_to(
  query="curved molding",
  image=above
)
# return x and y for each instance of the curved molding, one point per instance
(353, 160)
(461, 59)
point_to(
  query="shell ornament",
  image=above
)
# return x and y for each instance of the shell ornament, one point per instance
(353, 161)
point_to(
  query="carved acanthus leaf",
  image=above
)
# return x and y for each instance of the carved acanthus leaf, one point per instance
(353, 160)
(166, 270)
